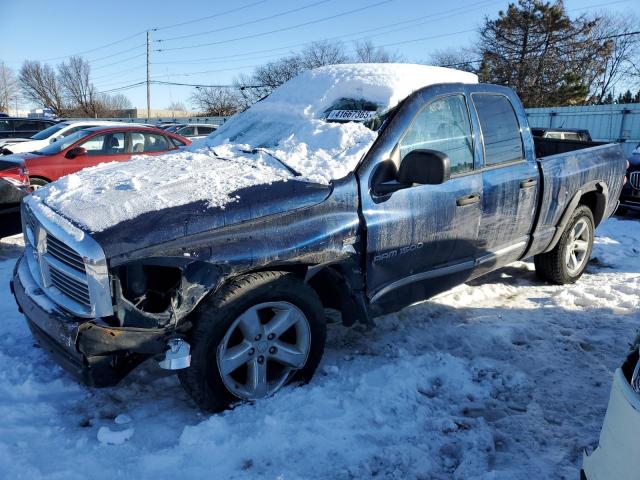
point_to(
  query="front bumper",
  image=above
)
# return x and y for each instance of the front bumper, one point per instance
(618, 453)
(91, 351)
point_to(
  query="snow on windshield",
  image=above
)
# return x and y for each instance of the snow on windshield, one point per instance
(291, 123)
(287, 128)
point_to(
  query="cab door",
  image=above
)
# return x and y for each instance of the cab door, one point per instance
(510, 183)
(423, 239)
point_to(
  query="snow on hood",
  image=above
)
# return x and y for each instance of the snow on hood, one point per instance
(275, 139)
(100, 197)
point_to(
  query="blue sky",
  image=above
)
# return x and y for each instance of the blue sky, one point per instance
(49, 31)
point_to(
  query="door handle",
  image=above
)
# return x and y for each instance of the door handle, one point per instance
(528, 183)
(468, 199)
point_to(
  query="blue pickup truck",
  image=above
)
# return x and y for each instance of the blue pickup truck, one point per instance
(358, 188)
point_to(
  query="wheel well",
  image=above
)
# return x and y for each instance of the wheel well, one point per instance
(597, 202)
(39, 177)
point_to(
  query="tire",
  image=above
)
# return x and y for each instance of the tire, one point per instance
(558, 266)
(226, 322)
(37, 183)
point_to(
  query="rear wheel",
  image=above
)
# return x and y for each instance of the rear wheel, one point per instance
(37, 183)
(568, 259)
(257, 334)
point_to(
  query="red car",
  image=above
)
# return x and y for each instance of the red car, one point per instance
(14, 184)
(91, 146)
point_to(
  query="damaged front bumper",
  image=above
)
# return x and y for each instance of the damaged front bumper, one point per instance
(618, 453)
(92, 351)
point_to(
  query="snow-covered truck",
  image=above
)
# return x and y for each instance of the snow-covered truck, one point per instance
(351, 189)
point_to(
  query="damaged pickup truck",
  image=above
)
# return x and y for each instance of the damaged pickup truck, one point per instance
(359, 188)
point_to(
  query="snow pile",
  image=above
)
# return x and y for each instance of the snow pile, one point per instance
(290, 122)
(505, 378)
(250, 149)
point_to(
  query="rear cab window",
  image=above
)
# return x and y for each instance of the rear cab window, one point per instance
(500, 129)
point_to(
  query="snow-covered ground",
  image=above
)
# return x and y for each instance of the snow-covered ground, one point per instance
(505, 378)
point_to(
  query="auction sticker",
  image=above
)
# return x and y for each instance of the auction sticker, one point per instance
(350, 115)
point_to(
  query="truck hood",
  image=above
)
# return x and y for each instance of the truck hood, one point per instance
(151, 200)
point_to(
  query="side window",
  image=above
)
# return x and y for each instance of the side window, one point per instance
(556, 135)
(204, 130)
(75, 129)
(5, 126)
(500, 128)
(26, 126)
(136, 142)
(107, 144)
(155, 143)
(177, 143)
(443, 125)
(187, 131)
(571, 136)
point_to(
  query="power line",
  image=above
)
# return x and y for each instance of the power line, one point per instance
(233, 10)
(420, 21)
(278, 30)
(243, 24)
(93, 49)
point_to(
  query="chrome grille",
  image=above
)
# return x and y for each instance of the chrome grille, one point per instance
(67, 264)
(75, 289)
(634, 180)
(66, 255)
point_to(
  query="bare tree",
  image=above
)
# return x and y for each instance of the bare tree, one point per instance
(177, 107)
(322, 53)
(216, 101)
(460, 59)
(620, 66)
(74, 80)
(9, 90)
(40, 85)
(112, 105)
(367, 52)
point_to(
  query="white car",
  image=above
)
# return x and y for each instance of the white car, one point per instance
(618, 453)
(49, 135)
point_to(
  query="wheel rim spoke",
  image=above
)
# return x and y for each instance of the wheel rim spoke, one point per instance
(288, 355)
(282, 322)
(257, 383)
(249, 324)
(579, 229)
(234, 357)
(580, 246)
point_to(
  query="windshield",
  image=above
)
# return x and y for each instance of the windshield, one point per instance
(57, 147)
(47, 132)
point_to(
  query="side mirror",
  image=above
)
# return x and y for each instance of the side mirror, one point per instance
(75, 152)
(424, 167)
(54, 139)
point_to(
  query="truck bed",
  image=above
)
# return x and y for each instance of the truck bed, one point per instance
(578, 167)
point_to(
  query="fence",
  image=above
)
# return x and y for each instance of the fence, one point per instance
(608, 123)
(155, 120)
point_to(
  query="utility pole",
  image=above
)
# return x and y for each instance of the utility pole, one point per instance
(148, 74)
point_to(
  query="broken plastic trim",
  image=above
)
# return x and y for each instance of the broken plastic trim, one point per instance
(155, 292)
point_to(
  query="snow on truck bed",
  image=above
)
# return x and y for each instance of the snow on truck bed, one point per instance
(288, 125)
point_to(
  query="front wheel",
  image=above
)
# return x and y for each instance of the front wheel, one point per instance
(37, 183)
(258, 333)
(568, 259)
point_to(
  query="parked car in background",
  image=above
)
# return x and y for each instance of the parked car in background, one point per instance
(14, 185)
(330, 193)
(562, 133)
(193, 130)
(618, 453)
(91, 146)
(16, 127)
(630, 196)
(45, 137)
